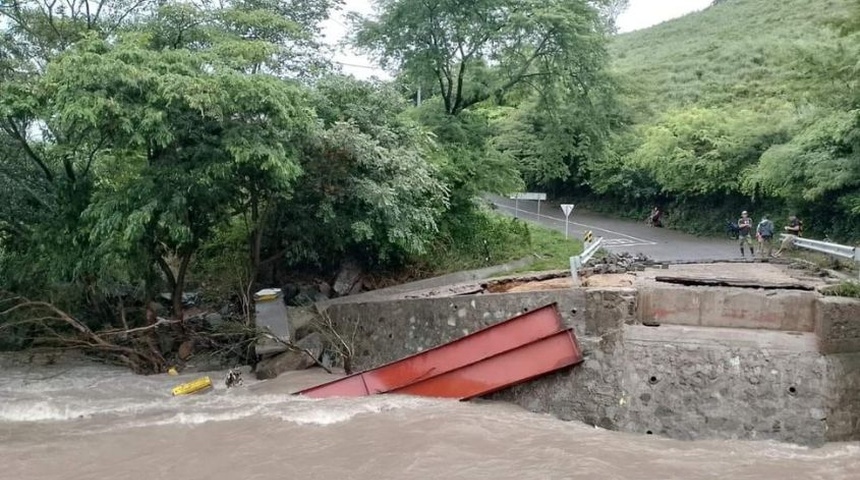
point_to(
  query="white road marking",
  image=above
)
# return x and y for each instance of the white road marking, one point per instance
(635, 241)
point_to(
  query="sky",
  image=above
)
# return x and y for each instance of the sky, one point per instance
(640, 14)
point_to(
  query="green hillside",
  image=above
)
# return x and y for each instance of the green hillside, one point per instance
(740, 52)
(749, 104)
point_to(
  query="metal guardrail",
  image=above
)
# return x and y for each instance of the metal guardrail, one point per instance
(577, 261)
(843, 251)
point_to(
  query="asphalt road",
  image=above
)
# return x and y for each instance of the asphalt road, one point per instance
(622, 235)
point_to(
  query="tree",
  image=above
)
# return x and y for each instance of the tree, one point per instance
(150, 147)
(701, 151)
(535, 43)
(367, 188)
(612, 9)
(820, 163)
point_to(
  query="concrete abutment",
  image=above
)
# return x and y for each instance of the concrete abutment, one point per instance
(683, 362)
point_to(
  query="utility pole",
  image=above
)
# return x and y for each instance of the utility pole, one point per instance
(419, 95)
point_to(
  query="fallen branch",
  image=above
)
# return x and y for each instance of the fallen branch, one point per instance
(158, 323)
(345, 347)
(84, 338)
(293, 347)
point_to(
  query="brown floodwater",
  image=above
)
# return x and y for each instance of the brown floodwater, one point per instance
(95, 422)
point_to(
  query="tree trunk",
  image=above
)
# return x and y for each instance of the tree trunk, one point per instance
(179, 285)
(256, 239)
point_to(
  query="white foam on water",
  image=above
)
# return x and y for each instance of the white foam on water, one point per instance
(198, 418)
(59, 409)
(131, 401)
(287, 408)
(328, 413)
(37, 412)
(71, 379)
(787, 451)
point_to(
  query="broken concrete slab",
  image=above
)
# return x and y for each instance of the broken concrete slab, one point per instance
(732, 282)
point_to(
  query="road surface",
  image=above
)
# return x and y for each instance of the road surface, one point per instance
(622, 235)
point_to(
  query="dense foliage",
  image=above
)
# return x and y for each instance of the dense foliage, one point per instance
(719, 119)
(146, 145)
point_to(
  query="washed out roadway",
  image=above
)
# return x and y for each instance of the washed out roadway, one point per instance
(622, 235)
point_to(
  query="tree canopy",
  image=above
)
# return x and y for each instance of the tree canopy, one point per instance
(477, 50)
(136, 136)
(146, 145)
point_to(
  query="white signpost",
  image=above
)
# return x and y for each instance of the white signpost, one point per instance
(527, 196)
(566, 208)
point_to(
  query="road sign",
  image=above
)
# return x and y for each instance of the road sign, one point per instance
(588, 237)
(566, 208)
(528, 196)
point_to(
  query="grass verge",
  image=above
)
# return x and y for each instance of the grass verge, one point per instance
(498, 239)
(484, 238)
(845, 289)
(821, 260)
(549, 247)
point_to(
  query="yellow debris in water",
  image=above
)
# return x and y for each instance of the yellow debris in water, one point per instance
(172, 372)
(193, 386)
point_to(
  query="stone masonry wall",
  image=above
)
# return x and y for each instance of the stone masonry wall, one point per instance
(390, 330)
(686, 382)
(843, 397)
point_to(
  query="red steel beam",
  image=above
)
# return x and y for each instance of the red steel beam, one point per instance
(485, 343)
(503, 370)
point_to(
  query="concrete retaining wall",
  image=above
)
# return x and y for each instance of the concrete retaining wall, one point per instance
(686, 381)
(728, 307)
(837, 324)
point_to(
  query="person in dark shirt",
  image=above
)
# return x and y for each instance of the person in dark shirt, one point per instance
(794, 227)
(745, 230)
(654, 218)
(793, 230)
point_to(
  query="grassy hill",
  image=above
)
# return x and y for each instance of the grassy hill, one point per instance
(748, 104)
(740, 52)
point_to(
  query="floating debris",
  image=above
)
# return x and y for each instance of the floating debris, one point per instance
(194, 386)
(233, 379)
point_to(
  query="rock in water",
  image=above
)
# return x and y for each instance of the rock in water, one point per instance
(313, 343)
(271, 367)
(293, 360)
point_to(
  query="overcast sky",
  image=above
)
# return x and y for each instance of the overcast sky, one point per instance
(640, 14)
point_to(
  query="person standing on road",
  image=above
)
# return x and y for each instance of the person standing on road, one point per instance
(764, 233)
(654, 218)
(745, 233)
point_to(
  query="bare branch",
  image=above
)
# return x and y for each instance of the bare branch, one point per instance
(160, 322)
(12, 130)
(121, 18)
